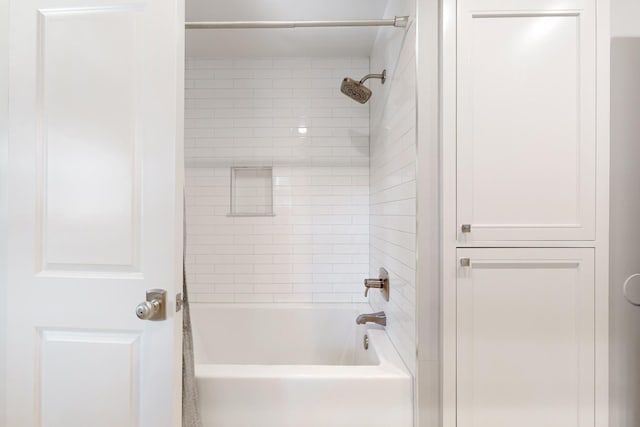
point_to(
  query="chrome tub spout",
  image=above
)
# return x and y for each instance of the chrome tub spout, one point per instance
(379, 318)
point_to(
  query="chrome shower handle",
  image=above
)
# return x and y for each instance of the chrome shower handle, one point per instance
(372, 283)
(382, 283)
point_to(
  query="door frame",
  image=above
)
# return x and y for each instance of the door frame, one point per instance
(4, 158)
(429, 250)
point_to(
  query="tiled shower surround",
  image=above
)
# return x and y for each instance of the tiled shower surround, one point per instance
(393, 183)
(288, 114)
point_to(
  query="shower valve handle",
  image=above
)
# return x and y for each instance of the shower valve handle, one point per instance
(382, 283)
(372, 283)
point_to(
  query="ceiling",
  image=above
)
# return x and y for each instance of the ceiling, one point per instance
(283, 42)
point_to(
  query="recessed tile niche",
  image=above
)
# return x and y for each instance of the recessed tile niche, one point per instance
(251, 191)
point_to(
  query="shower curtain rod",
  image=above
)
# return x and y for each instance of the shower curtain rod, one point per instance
(398, 21)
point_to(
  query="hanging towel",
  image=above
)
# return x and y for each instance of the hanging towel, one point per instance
(190, 410)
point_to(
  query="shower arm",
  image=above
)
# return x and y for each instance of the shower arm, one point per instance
(382, 77)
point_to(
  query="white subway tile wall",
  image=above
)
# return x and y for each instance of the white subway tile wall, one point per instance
(288, 114)
(393, 187)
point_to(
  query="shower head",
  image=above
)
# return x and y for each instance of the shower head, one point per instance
(356, 90)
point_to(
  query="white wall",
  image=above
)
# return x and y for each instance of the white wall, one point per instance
(393, 179)
(428, 277)
(625, 18)
(4, 147)
(625, 231)
(246, 112)
(625, 210)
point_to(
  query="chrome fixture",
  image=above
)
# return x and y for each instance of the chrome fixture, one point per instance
(465, 228)
(356, 90)
(465, 262)
(382, 283)
(179, 302)
(365, 341)
(154, 308)
(398, 21)
(378, 318)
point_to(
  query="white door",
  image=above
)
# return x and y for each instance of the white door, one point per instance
(526, 121)
(525, 338)
(95, 212)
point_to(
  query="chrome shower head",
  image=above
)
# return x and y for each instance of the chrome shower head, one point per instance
(357, 90)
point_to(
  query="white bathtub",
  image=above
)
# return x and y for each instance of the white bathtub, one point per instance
(296, 366)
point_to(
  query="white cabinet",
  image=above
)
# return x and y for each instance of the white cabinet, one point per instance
(525, 338)
(526, 108)
(525, 179)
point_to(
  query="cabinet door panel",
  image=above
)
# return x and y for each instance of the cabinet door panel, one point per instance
(525, 338)
(526, 140)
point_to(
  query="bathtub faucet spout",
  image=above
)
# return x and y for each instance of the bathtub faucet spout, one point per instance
(379, 318)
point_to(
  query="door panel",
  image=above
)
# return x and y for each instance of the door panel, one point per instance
(95, 212)
(526, 338)
(78, 379)
(526, 108)
(88, 78)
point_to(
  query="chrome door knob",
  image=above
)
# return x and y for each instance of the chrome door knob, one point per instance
(154, 308)
(147, 309)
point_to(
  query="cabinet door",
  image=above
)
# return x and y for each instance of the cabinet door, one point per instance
(526, 123)
(525, 338)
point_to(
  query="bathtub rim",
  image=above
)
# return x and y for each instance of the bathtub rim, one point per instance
(358, 306)
(389, 364)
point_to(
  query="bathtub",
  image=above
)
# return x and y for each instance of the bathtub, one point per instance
(296, 366)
